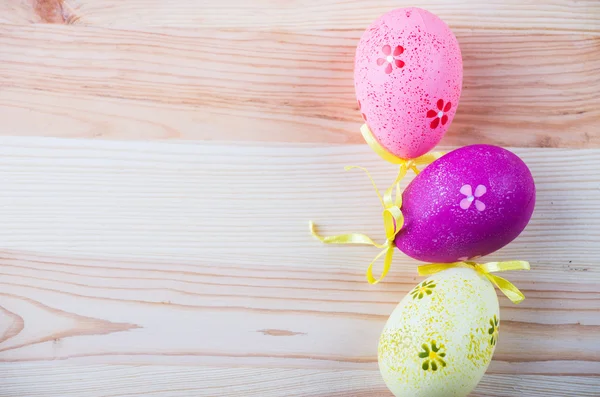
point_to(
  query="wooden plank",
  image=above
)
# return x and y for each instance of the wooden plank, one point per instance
(296, 15)
(182, 381)
(186, 269)
(277, 86)
(120, 254)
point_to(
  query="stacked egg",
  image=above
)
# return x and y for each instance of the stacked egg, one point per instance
(466, 204)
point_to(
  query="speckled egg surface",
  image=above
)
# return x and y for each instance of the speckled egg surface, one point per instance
(466, 204)
(440, 339)
(408, 79)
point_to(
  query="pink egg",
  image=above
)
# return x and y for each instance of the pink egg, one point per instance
(408, 78)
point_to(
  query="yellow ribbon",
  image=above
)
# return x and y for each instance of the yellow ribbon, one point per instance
(386, 155)
(485, 269)
(393, 220)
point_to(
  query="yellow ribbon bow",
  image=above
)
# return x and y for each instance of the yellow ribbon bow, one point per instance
(393, 220)
(485, 269)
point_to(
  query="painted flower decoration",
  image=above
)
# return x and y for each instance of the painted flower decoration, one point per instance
(432, 356)
(493, 331)
(425, 288)
(439, 115)
(468, 191)
(391, 59)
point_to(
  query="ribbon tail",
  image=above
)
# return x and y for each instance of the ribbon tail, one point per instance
(388, 201)
(387, 264)
(507, 288)
(492, 267)
(351, 167)
(351, 238)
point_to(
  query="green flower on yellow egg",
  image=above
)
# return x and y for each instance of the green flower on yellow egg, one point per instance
(433, 356)
(425, 288)
(493, 331)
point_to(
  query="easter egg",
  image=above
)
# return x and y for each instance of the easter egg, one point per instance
(466, 204)
(441, 337)
(408, 78)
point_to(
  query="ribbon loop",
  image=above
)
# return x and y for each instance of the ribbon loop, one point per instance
(386, 155)
(486, 269)
(387, 264)
(507, 288)
(393, 220)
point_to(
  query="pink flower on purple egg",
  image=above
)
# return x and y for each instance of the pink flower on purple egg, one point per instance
(439, 114)
(391, 59)
(468, 191)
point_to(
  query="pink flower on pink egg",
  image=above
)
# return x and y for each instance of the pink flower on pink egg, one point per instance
(391, 59)
(440, 114)
(468, 191)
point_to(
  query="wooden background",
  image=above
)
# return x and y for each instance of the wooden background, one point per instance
(184, 268)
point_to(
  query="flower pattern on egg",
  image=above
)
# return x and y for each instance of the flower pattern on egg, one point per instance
(391, 59)
(433, 356)
(439, 116)
(467, 190)
(494, 329)
(423, 289)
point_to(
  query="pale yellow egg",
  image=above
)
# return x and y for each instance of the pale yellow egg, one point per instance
(440, 339)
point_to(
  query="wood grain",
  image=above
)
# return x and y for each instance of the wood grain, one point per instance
(117, 255)
(164, 381)
(295, 15)
(273, 71)
(186, 269)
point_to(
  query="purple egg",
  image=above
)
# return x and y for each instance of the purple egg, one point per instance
(468, 203)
